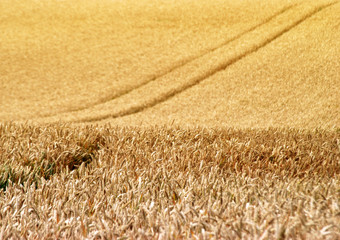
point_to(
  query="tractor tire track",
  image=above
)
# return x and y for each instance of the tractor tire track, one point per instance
(186, 61)
(181, 79)
(176, 66)
(171, 93)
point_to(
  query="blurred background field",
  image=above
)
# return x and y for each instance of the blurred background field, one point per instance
(88, 61)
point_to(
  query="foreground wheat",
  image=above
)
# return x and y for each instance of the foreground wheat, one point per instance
(60, 182)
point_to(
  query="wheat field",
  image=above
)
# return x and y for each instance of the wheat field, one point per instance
(182, 119)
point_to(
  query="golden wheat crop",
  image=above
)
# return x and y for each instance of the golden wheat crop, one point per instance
(233, 63)
(115, 183)
(183, 119)
(66, 56)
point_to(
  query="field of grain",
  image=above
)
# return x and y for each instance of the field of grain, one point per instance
(229, 63)
(168, 183)
(182, 119)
